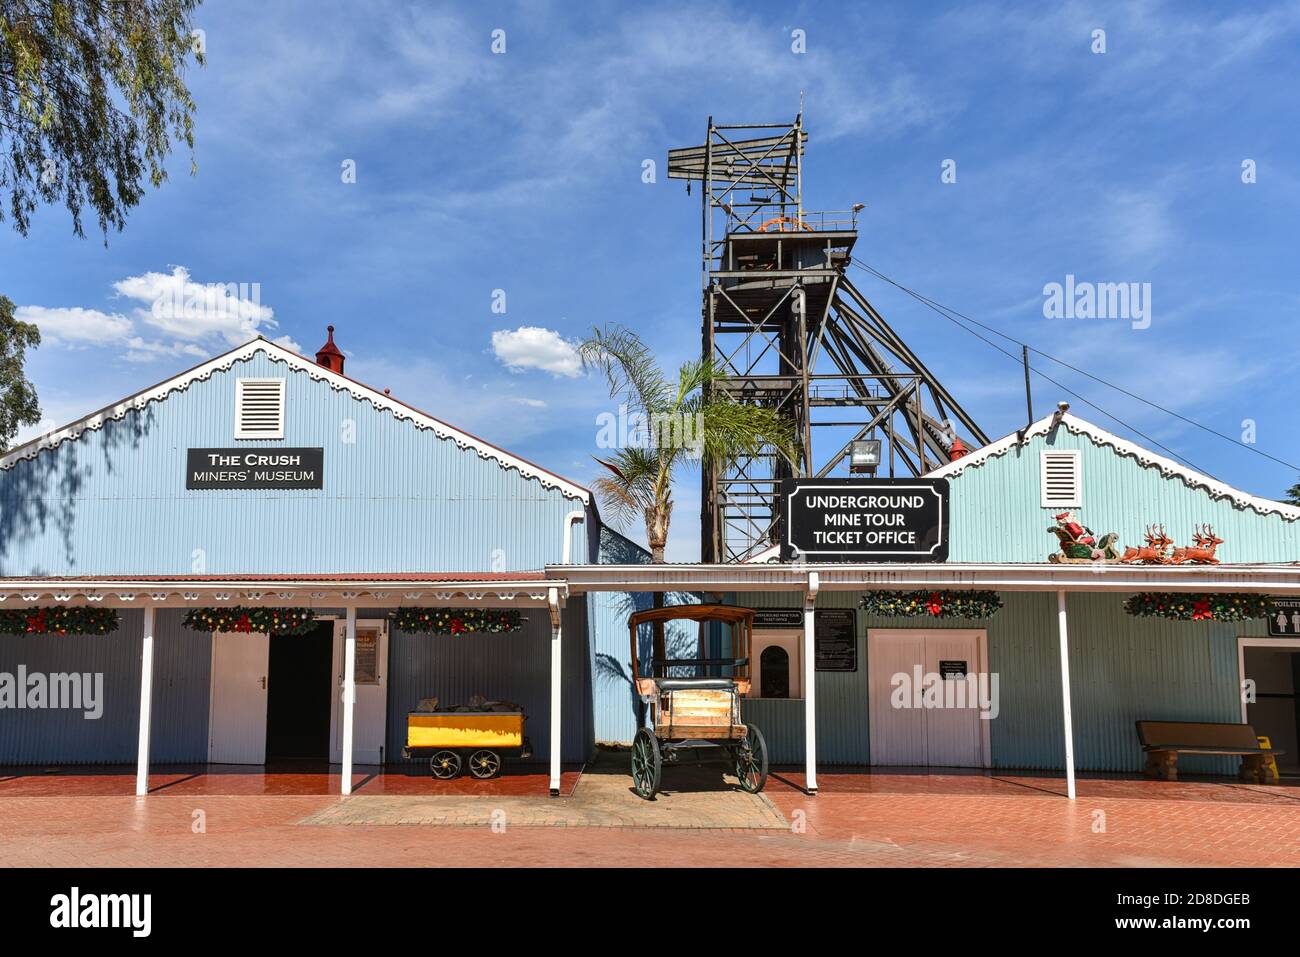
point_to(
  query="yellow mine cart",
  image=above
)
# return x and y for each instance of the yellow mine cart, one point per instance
(455, 739)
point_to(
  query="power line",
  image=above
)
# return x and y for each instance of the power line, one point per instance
(950, 314)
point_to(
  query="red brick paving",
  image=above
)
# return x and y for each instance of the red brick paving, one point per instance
(880, 819)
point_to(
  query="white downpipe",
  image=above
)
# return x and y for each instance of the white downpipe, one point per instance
(555, 606)
(146, 705)
(349, 694)
(810, 683)
(1065, 694)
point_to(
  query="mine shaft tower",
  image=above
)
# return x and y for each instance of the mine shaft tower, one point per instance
(789, 330)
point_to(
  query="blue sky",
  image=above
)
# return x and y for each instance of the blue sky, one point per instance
(521, 171)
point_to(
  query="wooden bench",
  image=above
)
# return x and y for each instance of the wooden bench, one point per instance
(1163, 741)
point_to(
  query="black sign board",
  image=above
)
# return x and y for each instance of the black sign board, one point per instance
(1284, 618)
(837, 639)
(865, 520)
(250, 468)
(951, 669)
(835, 633)
(778, 618)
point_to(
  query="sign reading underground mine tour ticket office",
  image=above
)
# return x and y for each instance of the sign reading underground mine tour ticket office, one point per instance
(865, 520)
(249, 468)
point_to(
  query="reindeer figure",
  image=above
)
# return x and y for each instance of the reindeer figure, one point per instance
(1203, 552)
(1153, 553)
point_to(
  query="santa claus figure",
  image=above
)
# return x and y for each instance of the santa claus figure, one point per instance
(1080, 533)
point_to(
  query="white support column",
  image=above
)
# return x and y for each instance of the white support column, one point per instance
(810, 684)
(1065, 694)
(557, 638)
(349, 694)
(146, 704)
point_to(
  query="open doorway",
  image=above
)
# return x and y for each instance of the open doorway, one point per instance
(1274, 666)
(299, 695)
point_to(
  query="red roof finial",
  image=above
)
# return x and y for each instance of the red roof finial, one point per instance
(329, 355)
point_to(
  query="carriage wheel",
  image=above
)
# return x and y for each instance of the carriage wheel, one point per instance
(751, 761)
(445, 765)
(647, 764)
(484, 764)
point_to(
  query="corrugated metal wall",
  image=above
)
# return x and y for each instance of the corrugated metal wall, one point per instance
(1122, 669)
(396, 498)
(182, 675)
(513, 667)
(996, 515)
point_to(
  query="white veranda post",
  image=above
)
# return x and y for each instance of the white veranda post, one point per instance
(1065, 694)
(810, 684)
(349, 694)
(557, 636)
(146, 704)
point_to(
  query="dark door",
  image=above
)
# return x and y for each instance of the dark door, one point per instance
(299, 685)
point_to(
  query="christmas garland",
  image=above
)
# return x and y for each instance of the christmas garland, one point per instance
(457, 621)
(1194, 607)
(58, 620)
(935, 604)
(271, 621)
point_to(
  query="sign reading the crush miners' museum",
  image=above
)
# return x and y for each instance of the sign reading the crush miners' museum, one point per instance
(865, 520)
(249, 468)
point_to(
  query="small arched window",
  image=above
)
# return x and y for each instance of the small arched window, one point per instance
(774, 668)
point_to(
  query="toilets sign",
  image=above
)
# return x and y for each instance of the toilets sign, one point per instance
(249, 468)
(865, 520)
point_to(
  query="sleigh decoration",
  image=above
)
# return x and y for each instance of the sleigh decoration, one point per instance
(1079, 545)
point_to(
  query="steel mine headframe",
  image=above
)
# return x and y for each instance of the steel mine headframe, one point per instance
(789, 330)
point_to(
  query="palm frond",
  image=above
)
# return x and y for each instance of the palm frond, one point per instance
(629, 366)
(629, 488)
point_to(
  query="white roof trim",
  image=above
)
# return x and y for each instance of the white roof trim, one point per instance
(1145, 457)
(1044, 577)
(277, 353)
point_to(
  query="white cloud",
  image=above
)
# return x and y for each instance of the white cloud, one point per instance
(531, 403)
(192, 319)
(74, 326)
(532, 347)
(183, 309)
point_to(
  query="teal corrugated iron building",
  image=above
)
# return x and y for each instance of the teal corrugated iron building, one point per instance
(408, 511)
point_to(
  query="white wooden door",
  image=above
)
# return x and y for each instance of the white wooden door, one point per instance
(954, 737)
(237, 713)
(370, 717)
(897, 733)
(902, 731)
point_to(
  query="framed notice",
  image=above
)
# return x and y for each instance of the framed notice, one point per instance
(835, 633)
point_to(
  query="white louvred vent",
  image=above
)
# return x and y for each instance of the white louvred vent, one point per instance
(1061, 479)
(259, 408)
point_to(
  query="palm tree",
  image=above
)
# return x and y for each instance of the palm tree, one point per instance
(686, 421)
(1293, 495)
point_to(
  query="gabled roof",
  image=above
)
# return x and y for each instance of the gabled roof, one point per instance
(335, 380)
(1144, 457)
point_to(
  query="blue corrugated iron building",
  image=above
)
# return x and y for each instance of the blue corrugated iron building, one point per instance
(404, 493)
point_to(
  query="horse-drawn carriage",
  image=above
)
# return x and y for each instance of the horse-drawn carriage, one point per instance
(695, 702)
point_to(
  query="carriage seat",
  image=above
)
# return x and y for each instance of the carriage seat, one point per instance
(700, 684)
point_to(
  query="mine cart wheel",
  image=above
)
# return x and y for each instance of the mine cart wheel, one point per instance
(484, 764)
(445, 765)
(647, 764)
(751, 761)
